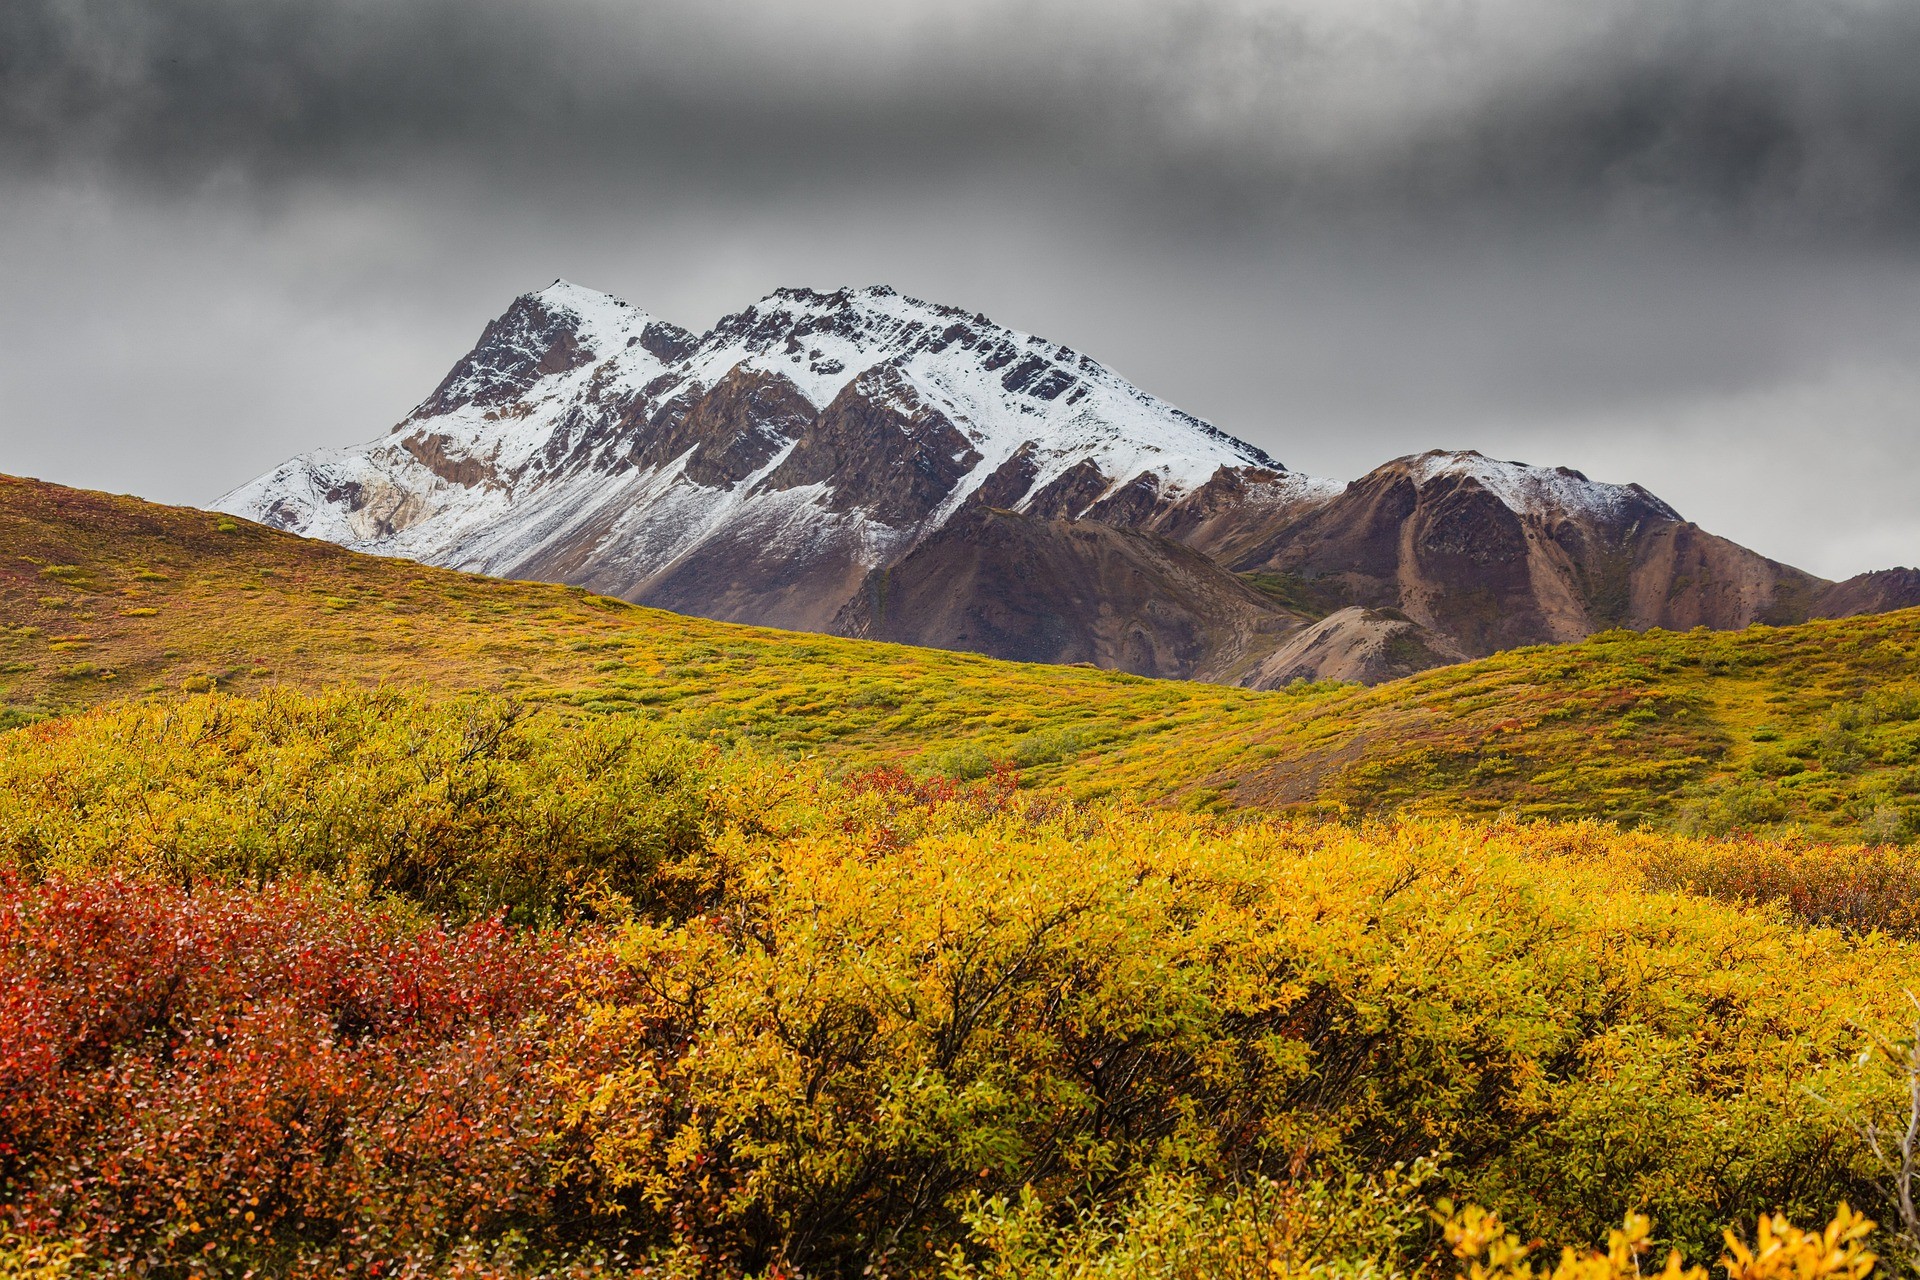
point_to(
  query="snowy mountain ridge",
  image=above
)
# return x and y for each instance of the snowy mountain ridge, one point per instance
(870, 464)
(583, 432)
(1537, 491)
(552, 384)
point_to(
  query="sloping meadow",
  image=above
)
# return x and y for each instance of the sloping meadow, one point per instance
(364, 983)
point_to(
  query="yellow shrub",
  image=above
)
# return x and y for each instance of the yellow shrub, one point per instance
(464, 806)
(25, 1259)
(857, 1030)
(1175, 1229)
(1780, 1250)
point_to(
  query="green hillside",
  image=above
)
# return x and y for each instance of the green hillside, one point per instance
(108, 598)
(1813, 727)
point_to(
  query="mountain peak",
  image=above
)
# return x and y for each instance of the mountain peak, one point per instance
(563, 289)
(1002, 390)
(602, 319)
(878, 319)
(583, 439)
(845, 294)
(1533, 490)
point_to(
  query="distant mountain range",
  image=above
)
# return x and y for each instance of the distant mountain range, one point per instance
(868, 465)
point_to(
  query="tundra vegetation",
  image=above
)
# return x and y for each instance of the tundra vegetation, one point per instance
(379, 983)
(1810, 730)
(363, 919)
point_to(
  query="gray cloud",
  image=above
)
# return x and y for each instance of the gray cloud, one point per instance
(1774, 113)
(1674, 241)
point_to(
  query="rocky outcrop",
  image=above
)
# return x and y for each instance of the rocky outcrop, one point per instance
(727, 433)
(1364, 645)
(1490, 555)
(883, 448)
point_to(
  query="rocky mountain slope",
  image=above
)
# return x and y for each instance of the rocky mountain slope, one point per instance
(1497, 554)
(864, 463)
(1036, 589)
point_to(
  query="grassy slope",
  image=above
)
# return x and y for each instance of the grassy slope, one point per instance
(1816, 724)
(104, 598)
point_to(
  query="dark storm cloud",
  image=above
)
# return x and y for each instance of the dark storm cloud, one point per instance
(1774, 114)
(180, 91)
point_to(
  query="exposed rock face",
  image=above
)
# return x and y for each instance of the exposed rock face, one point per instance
(1047, 590)
(1879, 592)
(866, 463)
(730, 432)
(1491, 555)
(882, 447)
(1365, 645)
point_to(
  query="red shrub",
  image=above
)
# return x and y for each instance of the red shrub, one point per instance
(283, 1074)
(995, 791)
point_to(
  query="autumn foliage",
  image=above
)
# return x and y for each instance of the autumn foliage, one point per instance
(369, 985)
(196, 1079)
(467, 807)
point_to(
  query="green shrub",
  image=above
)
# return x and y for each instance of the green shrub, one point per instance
(1046, 746)
(965, 761)
(1726, 808)
(1775, 764)
(1179, 1227)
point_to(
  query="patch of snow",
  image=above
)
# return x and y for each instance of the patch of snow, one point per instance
(1536, 491)
(605, 322)
(1001, 388)
(1291, 487)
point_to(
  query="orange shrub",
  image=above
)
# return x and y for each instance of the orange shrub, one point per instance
(228, 1078)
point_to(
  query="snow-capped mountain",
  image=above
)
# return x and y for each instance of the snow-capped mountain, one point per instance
(757, 473)
(869, 464)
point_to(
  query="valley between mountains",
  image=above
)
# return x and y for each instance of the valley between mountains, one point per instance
(867, 465)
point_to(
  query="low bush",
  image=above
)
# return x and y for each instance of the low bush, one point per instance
(1853, 887)
(465, 807)
(229, 1080)
(849, 1041)
(1179, 1229)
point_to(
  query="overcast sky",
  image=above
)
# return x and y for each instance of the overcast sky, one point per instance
(1671, 241)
